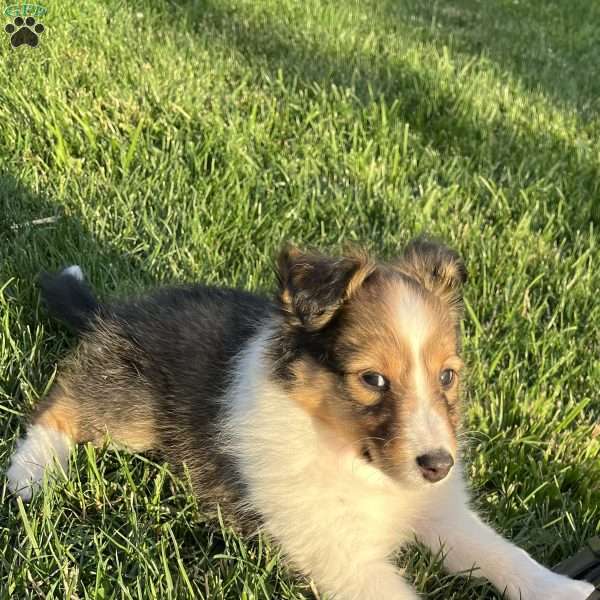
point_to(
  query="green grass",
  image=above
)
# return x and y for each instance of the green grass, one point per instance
(183, 141)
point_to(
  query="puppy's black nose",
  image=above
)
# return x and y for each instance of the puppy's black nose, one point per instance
(435, 465)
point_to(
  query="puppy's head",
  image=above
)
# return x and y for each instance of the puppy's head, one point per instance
(371, 351)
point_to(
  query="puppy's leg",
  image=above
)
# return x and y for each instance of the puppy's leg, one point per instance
(49, 438)
(467, 543)
(81, 407)
(376, 581)
(357, 580)
(346, 558)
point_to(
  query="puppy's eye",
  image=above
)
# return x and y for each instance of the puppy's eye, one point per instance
(447, 377)
(375, 381)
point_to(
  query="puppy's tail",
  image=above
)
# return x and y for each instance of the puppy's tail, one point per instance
(69, 298)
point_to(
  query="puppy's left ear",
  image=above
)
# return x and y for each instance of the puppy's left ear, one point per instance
(313, 287)
(436, 267)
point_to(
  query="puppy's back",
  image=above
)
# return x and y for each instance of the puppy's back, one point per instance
(151, 373)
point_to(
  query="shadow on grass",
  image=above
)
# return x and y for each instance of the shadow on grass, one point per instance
(530, 40)
(442, 116)
(36, 234)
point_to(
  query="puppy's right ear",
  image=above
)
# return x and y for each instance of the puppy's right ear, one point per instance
(436, 267)
(313, 287)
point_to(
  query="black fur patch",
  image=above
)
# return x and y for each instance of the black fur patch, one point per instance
(163, 362)
(68, 299)
(313, 286)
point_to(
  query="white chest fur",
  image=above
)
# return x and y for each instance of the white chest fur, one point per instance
(330, 511)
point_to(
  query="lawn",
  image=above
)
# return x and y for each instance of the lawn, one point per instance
(179, 140)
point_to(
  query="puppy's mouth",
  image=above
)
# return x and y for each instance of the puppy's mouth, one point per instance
(372, 457)
(366, 454)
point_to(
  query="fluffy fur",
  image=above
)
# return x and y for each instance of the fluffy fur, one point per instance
(326, 418)
(34, 455)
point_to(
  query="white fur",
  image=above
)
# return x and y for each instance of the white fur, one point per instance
(426, 430)
(447, 525)
(339, 519)
(33, 456)
(74, 271)
(335, 517)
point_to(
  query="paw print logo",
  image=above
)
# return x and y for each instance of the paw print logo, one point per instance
(24, 31)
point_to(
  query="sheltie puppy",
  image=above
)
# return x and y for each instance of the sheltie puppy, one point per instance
(326, 418)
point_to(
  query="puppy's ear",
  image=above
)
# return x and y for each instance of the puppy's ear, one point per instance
(312, 287)
(436, 267)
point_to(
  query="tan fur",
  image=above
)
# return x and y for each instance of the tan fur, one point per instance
(58, 411)
(137, 437)
(314, 391)
(436, 268)
(312, 387)
(371, 328)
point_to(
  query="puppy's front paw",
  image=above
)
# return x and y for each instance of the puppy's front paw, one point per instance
(558, 587)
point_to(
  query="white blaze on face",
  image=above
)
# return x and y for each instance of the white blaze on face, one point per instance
(426, 429)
